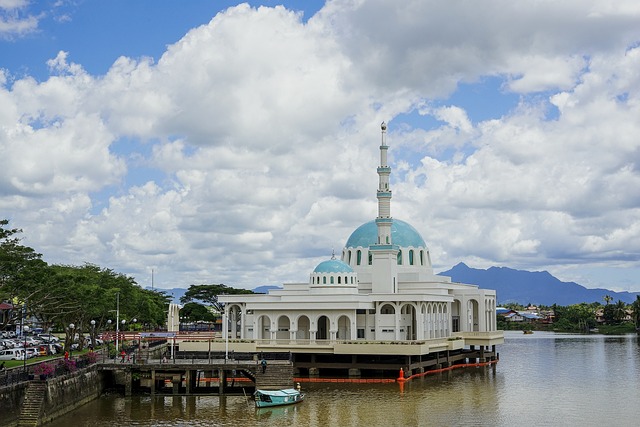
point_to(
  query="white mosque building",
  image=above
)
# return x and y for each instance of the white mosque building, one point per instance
(381, 290)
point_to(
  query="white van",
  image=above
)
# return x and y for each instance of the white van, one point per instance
(11, 354)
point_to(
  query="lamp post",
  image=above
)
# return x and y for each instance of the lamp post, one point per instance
(25, 329)
(117, 319)
(93, 333)
(71, 334)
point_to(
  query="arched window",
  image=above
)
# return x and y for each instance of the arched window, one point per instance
(399, 257)
(370, 258)
(421, 257)
(411, 257)
(324, 280)
(349, 258)
(339, 280)
(346, 280)
(359, 257)
(332, 280)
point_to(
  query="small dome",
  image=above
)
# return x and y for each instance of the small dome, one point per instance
(402, 234)
(333, 266)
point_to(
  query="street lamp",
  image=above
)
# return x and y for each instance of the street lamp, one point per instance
(25, 329)
(71, 334)
(93, 333)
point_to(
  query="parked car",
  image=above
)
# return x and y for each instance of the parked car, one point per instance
(11, 354)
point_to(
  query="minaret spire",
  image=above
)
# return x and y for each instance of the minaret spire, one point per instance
(383, 255)
(384, 220)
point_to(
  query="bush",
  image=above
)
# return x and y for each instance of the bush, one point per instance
(46, 369)
(90, 357)
(67, 365)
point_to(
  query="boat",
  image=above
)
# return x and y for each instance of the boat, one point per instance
(268, 398)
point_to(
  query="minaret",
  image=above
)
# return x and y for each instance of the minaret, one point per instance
(384, 253)
(383, 221)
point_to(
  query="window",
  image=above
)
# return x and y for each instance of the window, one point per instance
(399, 257)
(411, 257)
(339, 280)
(360, 333)
(332, 280)
(370, 258)
(359, 257)
(421, 257)
(324, 280)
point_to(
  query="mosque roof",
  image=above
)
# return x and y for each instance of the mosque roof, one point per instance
(333, 266)
(402, 234)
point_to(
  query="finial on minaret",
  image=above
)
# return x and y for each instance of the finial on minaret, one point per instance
(333, 253)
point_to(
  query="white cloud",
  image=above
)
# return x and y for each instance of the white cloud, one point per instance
(261, 133)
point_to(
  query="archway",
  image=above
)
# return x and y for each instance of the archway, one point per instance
(455, 316)
(304, 325)
(408, 322)
(323, 328)
(263, 328)
(344, 328)
(284, 324)
(472, 308)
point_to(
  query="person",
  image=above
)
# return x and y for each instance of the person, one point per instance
(66, 355)
(264, 365)
(2, 366)
(298, 386)
(123, 354)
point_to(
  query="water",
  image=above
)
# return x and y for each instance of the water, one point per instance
(542, 379)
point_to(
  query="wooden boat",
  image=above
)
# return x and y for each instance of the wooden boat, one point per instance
(267, 398)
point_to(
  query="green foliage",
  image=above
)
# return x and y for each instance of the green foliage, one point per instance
(208, 294)
(58, 295)
(194, 312)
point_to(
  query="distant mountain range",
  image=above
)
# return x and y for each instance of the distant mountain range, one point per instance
(535, 287)
(512, 286)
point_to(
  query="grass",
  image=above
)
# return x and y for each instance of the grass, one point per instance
(19, 363)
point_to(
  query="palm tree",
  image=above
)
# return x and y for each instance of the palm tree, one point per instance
(620, 311)
(607, 299)
(636, 311)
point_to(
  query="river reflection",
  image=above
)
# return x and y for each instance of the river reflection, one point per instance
(541, 379)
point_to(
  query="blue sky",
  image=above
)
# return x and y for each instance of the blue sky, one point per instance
(236, 143)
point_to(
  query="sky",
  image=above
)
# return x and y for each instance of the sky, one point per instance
(224, 142)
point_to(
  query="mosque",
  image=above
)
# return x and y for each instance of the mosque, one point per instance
(382, 291)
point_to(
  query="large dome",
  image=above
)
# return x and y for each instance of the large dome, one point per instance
(402, 234)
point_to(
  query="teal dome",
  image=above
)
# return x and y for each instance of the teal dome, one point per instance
(402, 234)
(333, 266)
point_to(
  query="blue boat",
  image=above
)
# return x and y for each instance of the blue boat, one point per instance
(268, 398)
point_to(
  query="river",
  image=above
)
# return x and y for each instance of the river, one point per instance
(542, 379)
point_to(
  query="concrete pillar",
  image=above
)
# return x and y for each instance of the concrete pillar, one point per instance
(222, 379)
(153, 382)
(128, 379)
(175, 381)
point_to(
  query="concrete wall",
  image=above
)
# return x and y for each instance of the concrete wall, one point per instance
(10, 402)
(63, 394)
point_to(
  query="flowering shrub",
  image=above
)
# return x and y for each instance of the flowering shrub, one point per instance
(90, 357)
(68, 365)
(45, 369)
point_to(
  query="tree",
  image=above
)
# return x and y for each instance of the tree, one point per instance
(208, 294)
(194, 312)
(607, 299)
(635, 306)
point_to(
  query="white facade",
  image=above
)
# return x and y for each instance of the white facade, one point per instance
(383, 288)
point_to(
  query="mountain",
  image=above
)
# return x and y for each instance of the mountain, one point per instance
(535, 287)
